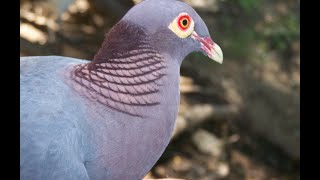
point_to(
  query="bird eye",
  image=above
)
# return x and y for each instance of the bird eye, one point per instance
(182, 25)
(184, 22)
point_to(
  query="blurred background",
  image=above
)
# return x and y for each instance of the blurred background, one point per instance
(237, 121)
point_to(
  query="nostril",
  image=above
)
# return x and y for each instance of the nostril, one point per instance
(209, 40)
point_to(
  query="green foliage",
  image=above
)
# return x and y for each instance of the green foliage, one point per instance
(250, 35)
(239, 42)
(282, 32)
(248, 5)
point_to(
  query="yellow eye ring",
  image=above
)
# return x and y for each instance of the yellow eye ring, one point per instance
(182, 25)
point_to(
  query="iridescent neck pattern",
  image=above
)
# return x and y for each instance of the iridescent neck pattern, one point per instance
(128, 83)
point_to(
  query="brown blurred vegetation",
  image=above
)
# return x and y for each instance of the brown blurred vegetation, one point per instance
(238, 120)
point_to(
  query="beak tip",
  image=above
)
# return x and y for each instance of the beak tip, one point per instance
(220, 61)
(217, 54)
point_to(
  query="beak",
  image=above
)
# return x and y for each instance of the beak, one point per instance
(211, 49)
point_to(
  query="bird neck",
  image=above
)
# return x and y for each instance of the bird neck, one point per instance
(132, 79)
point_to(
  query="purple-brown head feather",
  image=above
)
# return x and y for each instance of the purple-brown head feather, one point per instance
(122, 38)
(125, 74)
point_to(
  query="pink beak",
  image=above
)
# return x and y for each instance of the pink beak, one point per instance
(211, 49)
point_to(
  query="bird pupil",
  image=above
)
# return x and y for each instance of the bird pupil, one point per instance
(184, 22)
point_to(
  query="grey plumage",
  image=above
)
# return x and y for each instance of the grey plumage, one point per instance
(100, 121)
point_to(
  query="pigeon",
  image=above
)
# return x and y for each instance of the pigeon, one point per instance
(110, 118)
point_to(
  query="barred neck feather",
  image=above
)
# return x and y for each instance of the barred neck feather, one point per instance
(125, 75)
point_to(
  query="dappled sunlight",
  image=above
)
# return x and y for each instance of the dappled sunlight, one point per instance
(79, 6)
(32, 34)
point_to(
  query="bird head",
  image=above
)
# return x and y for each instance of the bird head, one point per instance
(174, 28)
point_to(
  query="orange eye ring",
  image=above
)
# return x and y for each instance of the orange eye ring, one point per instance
(184, 22)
